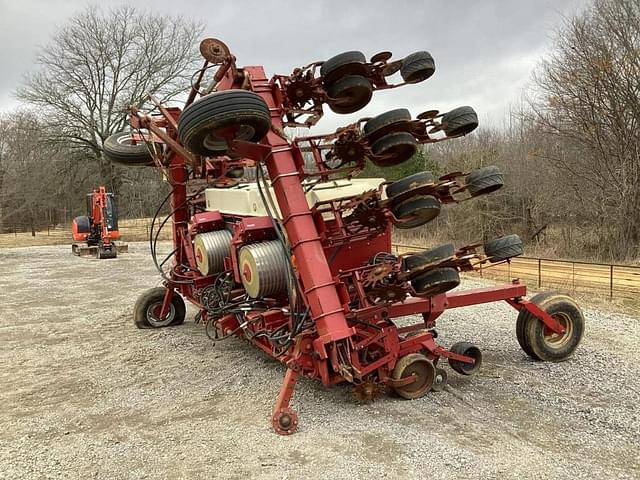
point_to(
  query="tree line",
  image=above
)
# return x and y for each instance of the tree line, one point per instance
(570, 152)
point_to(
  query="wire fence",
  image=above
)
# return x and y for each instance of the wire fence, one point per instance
(612, 280)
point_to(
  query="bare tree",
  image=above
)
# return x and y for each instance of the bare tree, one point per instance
(98, 64)
(588, 109)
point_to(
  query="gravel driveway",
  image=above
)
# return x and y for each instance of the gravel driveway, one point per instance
(86, 395)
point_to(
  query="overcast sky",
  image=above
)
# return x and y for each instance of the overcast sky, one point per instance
(484, 50)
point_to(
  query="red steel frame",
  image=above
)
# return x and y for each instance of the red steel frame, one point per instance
(323, 293)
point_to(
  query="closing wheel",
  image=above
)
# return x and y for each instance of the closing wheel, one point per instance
(483, 181)
(435, 282)
(545, 344)
(349, 94)
(418, 366)
(120, 148)
(406, 184)
(423, 208)
(285, 421)
(503, 248)
(386, 123)
(440, 380)
(468, 350)
(393, 149)
(146, 312)
(417, 67)
(433, 255)
(346, 61)
(206, 124)
(459, 121)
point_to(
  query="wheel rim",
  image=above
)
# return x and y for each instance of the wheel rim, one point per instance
(424, 371)
(217, 143)
(126, 140)
(559, 340)
(153, 315)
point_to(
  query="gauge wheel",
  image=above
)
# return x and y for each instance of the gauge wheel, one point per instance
(418, 366)
(423, 208)
(436, 282)
(433, 255)
(393, 120)
(349, 94)
(411, 182)
(393, 149)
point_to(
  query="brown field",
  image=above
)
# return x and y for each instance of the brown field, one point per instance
(131, 230)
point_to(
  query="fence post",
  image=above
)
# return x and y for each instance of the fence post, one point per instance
(539, 272)
(573, 274)
(611, 282)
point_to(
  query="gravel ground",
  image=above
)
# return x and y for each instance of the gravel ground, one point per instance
(86, 395)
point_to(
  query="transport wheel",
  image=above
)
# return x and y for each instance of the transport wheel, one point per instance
(503, 248)
(549, 346)
(440, 380)
(424, 207)
(419, 366)
(468, 350)
(406, 184)
(430, 256)
(483, 181)
(522, 324)
(349, 94)
(205, 125)
(148, 305)
(393, 149)
(417, 67)
(119, 148)
(385, 122)
(331, 69)
(435, 282)
(459, 121)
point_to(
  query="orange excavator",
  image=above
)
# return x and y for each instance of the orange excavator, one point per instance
(98, 230)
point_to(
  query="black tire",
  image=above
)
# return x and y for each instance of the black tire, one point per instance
(83, 224)
(552, 347)
(436, 281)
(384, 121)
(119, 148)
(425, 207)
(430, 256)
(393, 149)
(151, 300)
(200, 122)
(411, 182)
(331, 68)
(349, 94)
(503, 248)
(417, 67)
(459, 121)
(468, 350)
(485, 180)
(522, 324)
